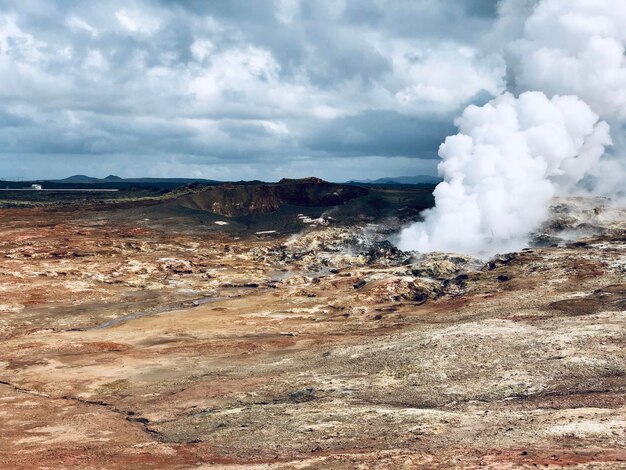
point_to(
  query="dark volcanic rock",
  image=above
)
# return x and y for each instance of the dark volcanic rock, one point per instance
(386, 252)
(500, 260)
(609, 298)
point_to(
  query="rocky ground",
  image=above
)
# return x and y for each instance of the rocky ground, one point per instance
(129, 346)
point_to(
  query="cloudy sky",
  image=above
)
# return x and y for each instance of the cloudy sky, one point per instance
(239, 89)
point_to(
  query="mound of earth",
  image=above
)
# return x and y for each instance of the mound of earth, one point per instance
(244, 199)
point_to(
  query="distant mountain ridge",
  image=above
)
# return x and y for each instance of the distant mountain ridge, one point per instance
(389, 180)
(84, 179)
(419, 179)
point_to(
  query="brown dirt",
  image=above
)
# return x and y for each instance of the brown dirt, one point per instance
(124, 346)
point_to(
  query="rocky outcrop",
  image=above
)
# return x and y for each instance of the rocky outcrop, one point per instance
(243, 199)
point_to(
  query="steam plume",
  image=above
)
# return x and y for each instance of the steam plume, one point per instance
(574, 47)
(513, 155)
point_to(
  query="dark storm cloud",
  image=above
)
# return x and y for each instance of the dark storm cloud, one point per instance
(221, 87)
(9, 120)
(384, 133)
(463, 20)
(387, 133)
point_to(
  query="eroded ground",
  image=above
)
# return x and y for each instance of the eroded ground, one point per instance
(126, 346)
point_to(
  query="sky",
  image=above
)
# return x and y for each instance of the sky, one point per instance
(240, 89)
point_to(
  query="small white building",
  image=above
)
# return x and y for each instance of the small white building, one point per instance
(36, 187)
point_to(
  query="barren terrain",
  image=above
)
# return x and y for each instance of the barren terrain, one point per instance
(126, 343)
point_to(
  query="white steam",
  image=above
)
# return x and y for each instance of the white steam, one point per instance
(513, 155)
(502, 169)
(574, 47)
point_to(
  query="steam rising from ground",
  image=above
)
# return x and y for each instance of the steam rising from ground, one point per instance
(503, 168)
(513, 155)
(574, 47)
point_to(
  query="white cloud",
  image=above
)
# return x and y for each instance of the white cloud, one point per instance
(575, 47)
(75, 22)
(286, 10)
(18, 45)
(202, 49)
(137, 21)
(446, 77)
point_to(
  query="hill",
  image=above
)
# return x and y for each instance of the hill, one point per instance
(83, 179)
(284, 207)
(401, 180)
